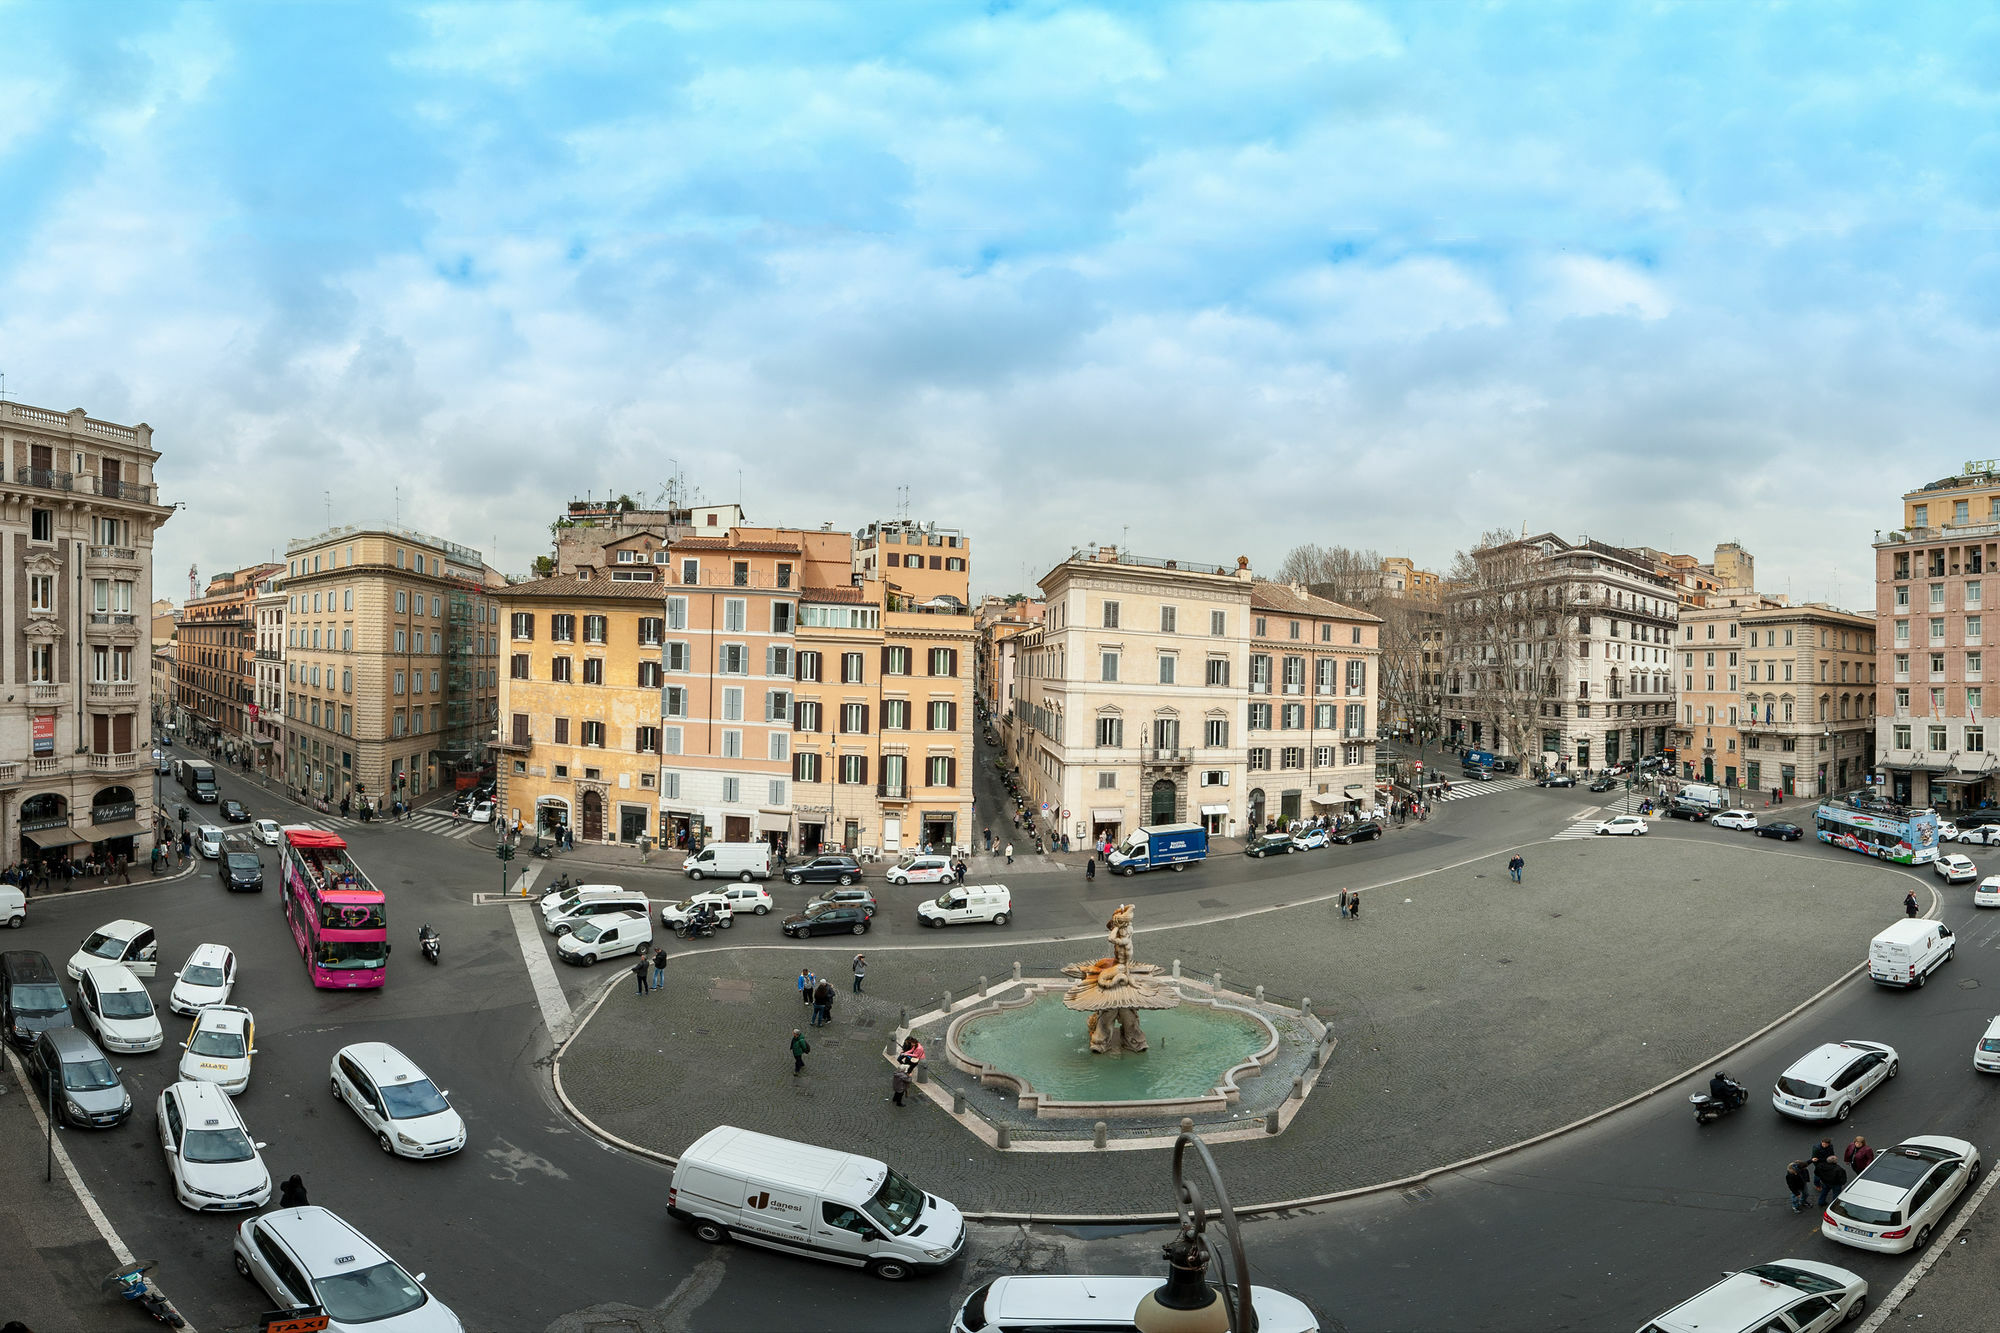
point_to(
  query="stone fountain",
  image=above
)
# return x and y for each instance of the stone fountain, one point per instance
(1113, 990)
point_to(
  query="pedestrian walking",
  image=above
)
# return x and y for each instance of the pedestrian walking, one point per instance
(1830, 1175)
(1354, 906)
(860, 970)
(1090, 868)
(1858, 1155)
(292, 1194)
(1910, 903)
(899, 1083)
(1343, 904)
(1010, 853)
(822, 1004)
(801, 1048)
(125, 870)
(639, 973)
(805, 984)
(1516, 866)
(659, 969)
(1797, 1180)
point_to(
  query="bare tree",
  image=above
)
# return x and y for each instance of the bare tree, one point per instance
(1411, 689)
(1339, 572)
(1511, 631)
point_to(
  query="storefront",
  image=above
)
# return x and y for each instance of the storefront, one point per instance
(812, 828)
(940, 831)
(114, 826)
(551, 814)
(1106, 822)
(1215, 818)
(678, 828)
(774, 829)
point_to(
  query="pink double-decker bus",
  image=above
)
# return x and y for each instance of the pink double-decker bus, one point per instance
(340, 920)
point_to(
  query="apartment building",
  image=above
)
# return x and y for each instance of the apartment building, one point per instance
(997, 621)
(78, 534)
(267, 706)
(163, 687)
(1310, 723)
(1131, 696)
(581, 729)
(391, 662)
(616, 539)
(215, 646)
(1560, 652)
(1930, 577)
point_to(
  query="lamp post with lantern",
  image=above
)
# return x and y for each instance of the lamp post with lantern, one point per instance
(1187, 1302)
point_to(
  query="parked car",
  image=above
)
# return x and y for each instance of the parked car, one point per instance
(1271, 844)
(1557, 780)
(1896, 1203)
(1826, 1082)
(825, 870)
(1981, 835)
(13, 907)
(1365, 831)
(843, 898)
(234, 812)
(88, 1091)
(31, 997)
(1782, 831)
(118, 1011)
(129, 942)
(1955, 869)
(1986, 1051)
(1988, 892)
(915, 869)
(1790, 1294)
(1734, 819)
(1307, 840)
(827, 920)
(1623, 825)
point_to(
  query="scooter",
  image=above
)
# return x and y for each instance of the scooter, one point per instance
(1707, 1108)
(427, 940)
(544, 850)
(689, 930)
(131, 1283)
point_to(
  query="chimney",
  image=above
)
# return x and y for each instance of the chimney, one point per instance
(1107, 555)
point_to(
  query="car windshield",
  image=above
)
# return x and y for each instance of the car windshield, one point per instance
(1857, 1212)
(1794, 1087)
(1796, 1277)
(949, 899)
(125, 1004)
(407, 1101)
(90, 1075)
(201, 975)
(244, 861)
(339, 955)
(217, 1145)
(897, 1205)
(1899, 1168)
(370, 1294)
(38, 998)
(223, 1045)
(587, 933)
(104, 946)
(906, 863)
(1989, 1044)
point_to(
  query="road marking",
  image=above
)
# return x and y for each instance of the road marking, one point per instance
(548, 991)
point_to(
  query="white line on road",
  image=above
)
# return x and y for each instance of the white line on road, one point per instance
(548, 991)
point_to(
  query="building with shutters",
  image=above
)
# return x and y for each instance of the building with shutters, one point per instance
(78, 531)
(1310, 726)
(216, 650)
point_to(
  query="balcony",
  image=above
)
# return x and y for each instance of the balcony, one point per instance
(113, 555)
(10, 774)
(136, 492)
(47, 479)
(514, 744)
(45, 692)
(115, 763)
(103, 691)
(44, 768)
(893, 791)
(113, 618)
(1159, 755)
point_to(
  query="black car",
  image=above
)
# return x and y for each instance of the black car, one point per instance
(825, 870)
(240, 868)
(1557, 780)
(1684, 810)
(1361, 832)
(1272, 844)
(31, 997)
(234, 812)
(827, 921)
(1786, 832)
(1604, 784)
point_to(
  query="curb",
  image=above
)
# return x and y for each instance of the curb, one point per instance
(1285, 1205)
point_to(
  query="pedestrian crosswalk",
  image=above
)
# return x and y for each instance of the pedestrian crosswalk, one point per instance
(1583, 824)
(1469, 788)
(443, 825)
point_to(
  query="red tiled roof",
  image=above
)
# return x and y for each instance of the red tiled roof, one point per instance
(831, 595)
(1268, 596)
(724, 544)
(598, 587)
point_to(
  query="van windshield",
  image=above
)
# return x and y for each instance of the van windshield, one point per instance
(897, 1205)
(34, 999)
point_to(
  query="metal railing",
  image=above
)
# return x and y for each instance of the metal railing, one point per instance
(1163, 755)
(47, 478)
(113, 553)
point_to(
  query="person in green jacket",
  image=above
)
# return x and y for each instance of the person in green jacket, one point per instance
(800, 1049)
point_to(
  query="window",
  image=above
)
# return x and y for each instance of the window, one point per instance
(854, 719)
(398, 678)
(562, 731)
(559, 668)
(1218, 669)
(1324, 715)
(677, 613)
(517, 667)
(679, 656)
(1975, 664)
(1260, 717)
(1357, 677)
(593, 734)
(1167, 615)
(732, 791)
(733, 659)
(1107, 781)
(42, 526)
(942, 715)
(895, 661)
(808, 666)
(1260, 673)
(735, 615)
(1356, 723)
(1292, 756)
(1218, 623)
(805, 767)
(690, 571)
(1257, 760)
(778, 706)
(780, 746)
(674, 701)
(806, 715)
(895, 715)
(646, 740)
(850, 669)
(652, 630)
(732, 703)
(649, 675)
(1110, 732)
(593, 671)
(1975, 740)
(778, 661)
(1108, 666)
(782, 616)
(1215, 733)
(593, 629)
(1936, 738)
(785, 576)
(944, 661)
(1294, 669)
(1111, 615)
(1900, 737)
(41, 592)
(1322, 756)
(1166, 668)
(853, 769)
(732, 743)
(402, 599)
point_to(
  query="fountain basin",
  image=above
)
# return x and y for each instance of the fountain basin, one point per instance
(1036, 1045)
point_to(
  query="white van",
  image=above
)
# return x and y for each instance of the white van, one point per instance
(1908, 952)
(812, 1201)
(730, 860)
(1700, 793)
(13, 907)
(968, 902)
(560, 920)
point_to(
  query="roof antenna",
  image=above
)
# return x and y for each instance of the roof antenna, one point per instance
(3, 386)
(329, 509)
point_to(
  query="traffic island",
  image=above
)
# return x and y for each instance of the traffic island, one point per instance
(1471, 1014)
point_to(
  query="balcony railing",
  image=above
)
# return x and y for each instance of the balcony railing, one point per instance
(44, 767)
(515, 744)
(893, 791)
(137, 492)
(46, 478)
(1159, 755)
(45, 692)
(9, 774)
(120, 554)
(114, 763)
(100, 690)
(112, 618)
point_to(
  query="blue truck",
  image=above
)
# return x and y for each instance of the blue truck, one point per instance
(1479, 764)
(1163, 845)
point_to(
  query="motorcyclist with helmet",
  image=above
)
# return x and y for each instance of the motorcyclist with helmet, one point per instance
(1726, 1091)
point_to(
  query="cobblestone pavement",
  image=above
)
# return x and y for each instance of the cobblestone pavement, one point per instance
(1471, 1013)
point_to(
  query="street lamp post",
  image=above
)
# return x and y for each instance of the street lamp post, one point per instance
(1187, 1303)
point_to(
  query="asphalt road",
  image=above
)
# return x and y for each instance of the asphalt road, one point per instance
(535, 1224)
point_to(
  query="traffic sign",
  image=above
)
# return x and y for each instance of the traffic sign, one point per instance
(1420, 765)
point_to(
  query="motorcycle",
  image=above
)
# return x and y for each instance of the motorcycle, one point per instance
(1707, 1108)
(544, 850)
(130, 1283)
(427, 940)
(695, 930)
(563, 883)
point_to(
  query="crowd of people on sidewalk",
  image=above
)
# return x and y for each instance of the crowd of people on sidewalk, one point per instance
(1822, 1167)
(44, 875)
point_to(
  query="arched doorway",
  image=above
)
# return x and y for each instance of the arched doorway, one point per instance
(114, 826)
(1165, 798)
(1256, 810)
(593, 816)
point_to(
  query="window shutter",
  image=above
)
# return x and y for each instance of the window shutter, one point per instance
(864, 719)
(864, 770)
(799, 716)
(798, 766)
(951, 717)
(885, 660)
(951, 772)
(951, 661)
(770, 659)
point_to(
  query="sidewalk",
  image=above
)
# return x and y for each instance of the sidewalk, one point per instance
(51, 1257)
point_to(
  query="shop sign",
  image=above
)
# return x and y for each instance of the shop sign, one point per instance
(111, 814)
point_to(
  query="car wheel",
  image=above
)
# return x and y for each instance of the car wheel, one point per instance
(588, 960)
(889, 1270)
(1129, 872)
(999, 918)
(933, 922)
(1895, 1068)
(761, 909)
(1923, 1237)
(1840, 1113)
(382, 1141)
(746, 877)
(946, 879)
(1972, 1176)
(846, 880)
(242, 1267)
(16, 922)
(861, 927)
(1922, 977)
(334, 1085)
(794, 880)
(711, 1232)
(562, 929)
(694, 874)
(727, 922)
(1854, 1313)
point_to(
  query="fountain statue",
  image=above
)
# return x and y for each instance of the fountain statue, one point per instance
(1113, 990)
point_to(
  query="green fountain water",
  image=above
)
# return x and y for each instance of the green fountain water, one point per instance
(1046, 1044)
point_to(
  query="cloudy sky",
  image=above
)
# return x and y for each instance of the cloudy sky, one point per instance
(1206, 279)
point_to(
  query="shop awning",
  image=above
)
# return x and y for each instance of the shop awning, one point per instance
(1330, 800)
(122, 828)
(1957, 779)
(1215, 809)
(1107, 815)
(48, 839)
(770, 823)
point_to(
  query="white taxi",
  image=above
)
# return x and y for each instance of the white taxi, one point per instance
(1626, 825)
(129, 942)
(1898, 1201)
(1986, 1054)
(720, 910)
(921, 870)
(1787, 1294)
(1988, 892)
(410, 1115)
(267, 831)
(205, 978)
(1735, 819)
(118, 1011)
(219, 1047)
(210, 1155)
(1955, 869)
(208, 841)
(1825, 1083)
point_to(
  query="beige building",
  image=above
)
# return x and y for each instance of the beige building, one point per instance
(391, 662)
(613, 539)
(78, 523)
(1311, 722)
(216, 647)
(267, 720)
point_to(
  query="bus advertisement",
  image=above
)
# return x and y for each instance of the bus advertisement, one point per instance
(1875, 827)
(340, 920)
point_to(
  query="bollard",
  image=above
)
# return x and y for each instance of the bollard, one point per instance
(1187, 1125)
(921, 1077)
(1260, 995)
(958, 1101)
(1177, 969)
(947, 1002)
(1306, 1007)
(1271, 1125)
(1101, 1136)
(1004, 1139)
(1017, 969)
(1216, 985)
(1299, 1086)
(982, 988)
(902, 1018)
